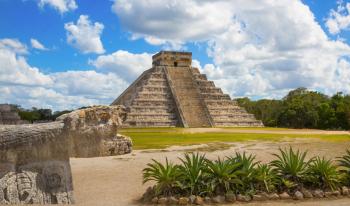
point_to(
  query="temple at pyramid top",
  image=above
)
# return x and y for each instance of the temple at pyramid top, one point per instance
(174, 94)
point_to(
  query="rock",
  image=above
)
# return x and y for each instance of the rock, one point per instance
(273, 196)
(183, 201)
(306, 193)
(285, 196)
(192, 198)
(259, 197)
(218, 199)
(199, 200)
(148, 195)
(345, 191)
(173, 200)
(336, 193)
(154, 200)
(318, 193)
(207, 200)
(230, 197)
(162, 200)
(243, 198)
(298, 195)
(328, 194)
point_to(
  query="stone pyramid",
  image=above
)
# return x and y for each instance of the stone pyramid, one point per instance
(173, 93)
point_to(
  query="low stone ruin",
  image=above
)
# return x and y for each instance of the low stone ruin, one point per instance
(34, 159)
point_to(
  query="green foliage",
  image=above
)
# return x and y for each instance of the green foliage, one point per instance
(322, 173)
(247, 170)
(291, 166)
(166, 176)
(266, 178)
(192, 173)
(223, 175)
(344, 166)
(302, 108)
(241, 174)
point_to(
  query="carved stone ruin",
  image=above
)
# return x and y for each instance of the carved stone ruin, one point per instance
(173, 93)
(34, 159)
(9, 115)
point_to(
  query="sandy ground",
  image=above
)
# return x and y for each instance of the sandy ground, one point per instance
(118, 180)
(264, 131)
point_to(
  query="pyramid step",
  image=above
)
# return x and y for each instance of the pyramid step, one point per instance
(216, 96)
(210, 90)
(200, 76)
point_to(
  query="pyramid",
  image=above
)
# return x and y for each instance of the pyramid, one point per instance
(174, 94)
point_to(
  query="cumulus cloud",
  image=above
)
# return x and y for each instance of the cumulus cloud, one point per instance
(85, 35)
(260, 48)
(339, 19)
(37, 45)
(60, 5)
(127, 65)
(23, 84)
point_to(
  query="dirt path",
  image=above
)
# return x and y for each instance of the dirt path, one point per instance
(118, 180)
(263, 131)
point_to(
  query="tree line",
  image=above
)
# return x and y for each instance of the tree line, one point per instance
(302, 108)
(39, 115)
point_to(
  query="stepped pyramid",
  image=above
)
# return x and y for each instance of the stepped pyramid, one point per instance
(172, 93)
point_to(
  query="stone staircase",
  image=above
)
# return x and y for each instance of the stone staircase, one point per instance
(187, 97)
(153, 104)
(223, 111)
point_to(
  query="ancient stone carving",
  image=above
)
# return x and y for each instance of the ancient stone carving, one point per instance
(34, 159)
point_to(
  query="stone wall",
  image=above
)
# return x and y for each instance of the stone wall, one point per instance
(34, 159)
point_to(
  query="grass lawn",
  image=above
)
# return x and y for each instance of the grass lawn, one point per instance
(160, 138)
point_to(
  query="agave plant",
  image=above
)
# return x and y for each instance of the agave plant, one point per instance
(344, 167)
(223, 175)
(166, 176)
(322, 173)
(266, 178)
(192, 172)
(291, 166)
(247, 170)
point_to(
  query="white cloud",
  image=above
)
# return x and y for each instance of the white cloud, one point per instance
(13, 45)
(127, 65)
(61, 5)
(27, 86)
(37, 45)
(85, 35)
(339, 19)
(260, 48)
(172, 22)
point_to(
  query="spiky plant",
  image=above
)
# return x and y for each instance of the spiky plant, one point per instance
(247, 168)
(223, 175)
(266, 178)
(344, 167)
(166, 176)
(192, 172)
(291, 165)
(322, 173)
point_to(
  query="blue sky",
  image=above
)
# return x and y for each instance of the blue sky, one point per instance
(63, 54)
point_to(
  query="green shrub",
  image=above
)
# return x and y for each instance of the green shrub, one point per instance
(322, 173)
(247, 171)
(223, 176)
(192, 173)
(291, 166)
(266, 178)
(166, 177)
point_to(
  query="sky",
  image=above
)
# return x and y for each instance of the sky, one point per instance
(65, 54)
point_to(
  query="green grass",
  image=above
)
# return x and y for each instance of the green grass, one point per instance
(160, 138)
